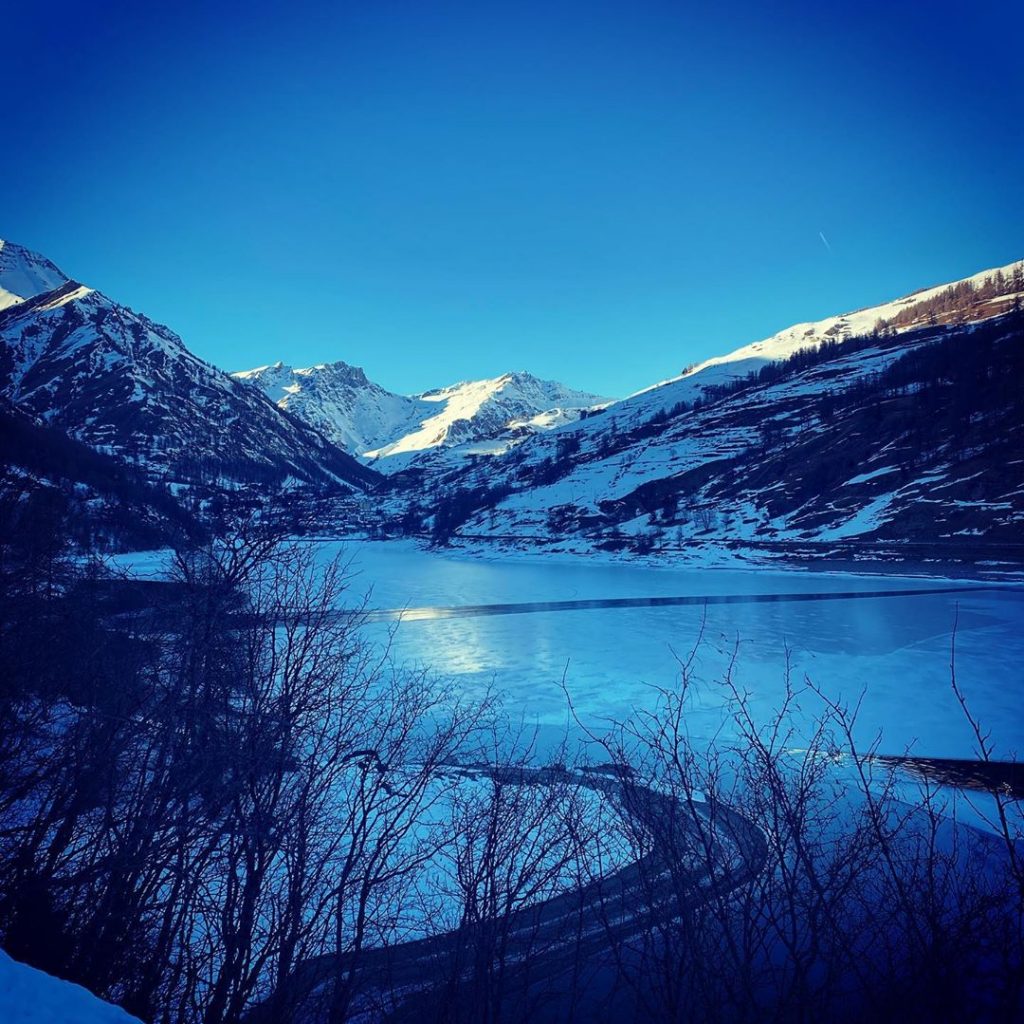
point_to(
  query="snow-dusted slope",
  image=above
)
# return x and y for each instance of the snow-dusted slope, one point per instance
(340, 401)
(28, 996)
(845, 442)
(846, 325)
(24, 274)
(693, 383)
(484, 410)
(107, 376)
(394, 430)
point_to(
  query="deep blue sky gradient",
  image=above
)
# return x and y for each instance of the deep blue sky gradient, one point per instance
(599, 193)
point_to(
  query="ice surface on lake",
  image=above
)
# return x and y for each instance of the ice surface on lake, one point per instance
(895, 649)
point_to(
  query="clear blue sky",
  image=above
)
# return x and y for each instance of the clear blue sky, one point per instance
(599, 193)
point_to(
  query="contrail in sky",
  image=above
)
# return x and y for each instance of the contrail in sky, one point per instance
(821, 235)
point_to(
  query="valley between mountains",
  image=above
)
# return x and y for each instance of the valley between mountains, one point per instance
(893, 434)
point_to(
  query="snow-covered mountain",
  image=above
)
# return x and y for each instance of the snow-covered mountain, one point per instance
(74, 359)
(485, 416)
(903, 421)
(934, 304)
(988, 292)
(339, 401)
(25, 274)
(395, 431)
(895, 421)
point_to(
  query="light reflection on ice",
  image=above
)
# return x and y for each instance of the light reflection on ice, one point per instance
(895, 649)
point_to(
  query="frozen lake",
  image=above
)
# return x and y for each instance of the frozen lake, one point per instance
(840, 632)
(895, 648)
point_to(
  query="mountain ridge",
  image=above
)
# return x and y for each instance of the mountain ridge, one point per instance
(112, 378)
(710, 455)
(393, 431)
(707, 454)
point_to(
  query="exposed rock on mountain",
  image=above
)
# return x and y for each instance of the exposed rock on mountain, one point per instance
(396, 431)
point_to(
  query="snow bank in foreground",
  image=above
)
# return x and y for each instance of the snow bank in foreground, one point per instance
(28, 996)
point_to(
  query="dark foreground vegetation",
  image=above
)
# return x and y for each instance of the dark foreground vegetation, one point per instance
(235, 810)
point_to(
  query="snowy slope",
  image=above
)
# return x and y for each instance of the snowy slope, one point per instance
(339, 401)
(483, 410)
(394, 430)
(836, 328)
(76, 360)
(24, 274)
(797, 458)
(28, 996)
(692, 383)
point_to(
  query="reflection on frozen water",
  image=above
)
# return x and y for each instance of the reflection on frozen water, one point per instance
(895, 648)
(465, 611)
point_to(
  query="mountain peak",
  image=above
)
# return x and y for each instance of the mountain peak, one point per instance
(340, 401)
(340, 370)
(25, 274)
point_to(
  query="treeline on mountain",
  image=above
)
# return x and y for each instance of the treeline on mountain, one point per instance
(960, 302)
(113, 503)
(953, 305)
(774, 372)
(106, 503)
(960, 299)
(954, 406)
(457, 499)
(809, 357)
(452, 509)
(326, 467)
(961, 386)
(960, 394)
(954, 403)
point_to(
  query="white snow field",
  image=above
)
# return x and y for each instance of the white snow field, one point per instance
(28, 996)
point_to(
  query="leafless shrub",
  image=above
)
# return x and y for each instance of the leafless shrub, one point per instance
(866, 899)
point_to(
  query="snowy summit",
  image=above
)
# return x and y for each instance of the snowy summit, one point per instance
(365, 419)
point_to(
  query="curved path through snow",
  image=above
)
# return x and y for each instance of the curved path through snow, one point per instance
(580, 924)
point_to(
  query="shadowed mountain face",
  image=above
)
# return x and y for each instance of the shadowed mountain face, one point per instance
(49, 478)
(74, 359)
